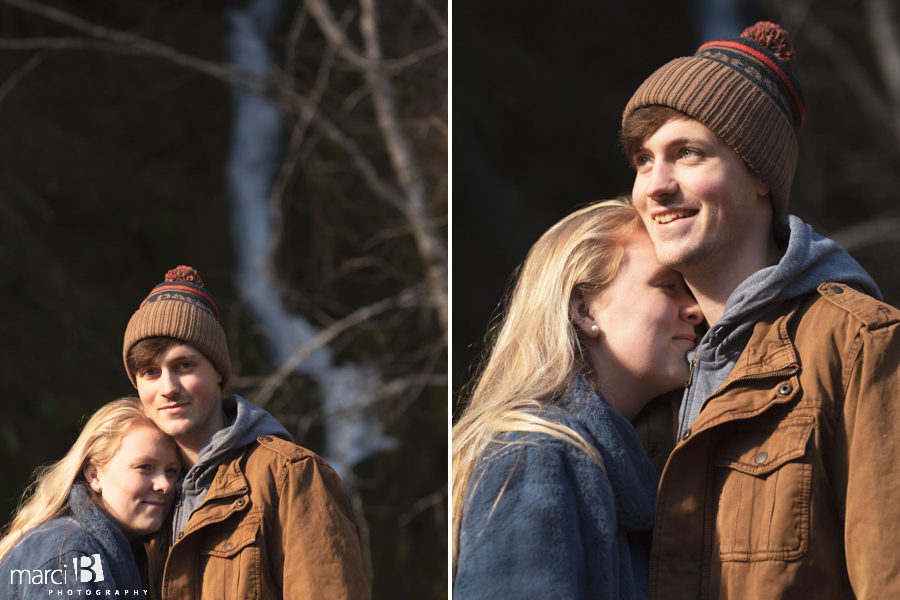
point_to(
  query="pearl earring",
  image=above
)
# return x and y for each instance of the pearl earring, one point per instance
(595, 328)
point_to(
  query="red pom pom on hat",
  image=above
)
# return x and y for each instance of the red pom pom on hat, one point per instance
(184, 273)
(773, 37)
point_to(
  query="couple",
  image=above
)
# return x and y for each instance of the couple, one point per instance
(777, 467)
(252, 514)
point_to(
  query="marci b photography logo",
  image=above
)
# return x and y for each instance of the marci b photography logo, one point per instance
(87, 569)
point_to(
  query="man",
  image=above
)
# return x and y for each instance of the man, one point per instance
(782, 482)
(257, 516)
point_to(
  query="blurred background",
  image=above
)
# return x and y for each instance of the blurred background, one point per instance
(538, 93)
(295, 154)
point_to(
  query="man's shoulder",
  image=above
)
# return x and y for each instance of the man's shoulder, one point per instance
(837, 301)
(280, 448)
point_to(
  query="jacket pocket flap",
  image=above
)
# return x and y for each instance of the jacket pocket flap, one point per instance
(228, 543)
(759, 452)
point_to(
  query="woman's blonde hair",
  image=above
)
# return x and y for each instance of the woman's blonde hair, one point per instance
(47, 496)
(537, 350)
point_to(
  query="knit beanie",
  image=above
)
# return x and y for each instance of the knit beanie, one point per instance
(180, 308)
(743, 90)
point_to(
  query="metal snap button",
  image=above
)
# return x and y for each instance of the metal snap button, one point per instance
(240, 502)
(762, 457)
(686, 434)
(785, 389)
(180, 534)
(837, 289)
(229, 545)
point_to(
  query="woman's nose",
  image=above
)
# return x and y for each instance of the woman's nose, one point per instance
(162, 483)
(691, 313)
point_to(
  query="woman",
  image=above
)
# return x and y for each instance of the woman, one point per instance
(553, 494)
(73, 534)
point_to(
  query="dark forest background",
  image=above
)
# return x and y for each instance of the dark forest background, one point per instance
(538, 93)
(115, 124)
(114, 136)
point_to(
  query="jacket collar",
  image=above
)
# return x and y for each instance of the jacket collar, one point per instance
(632, 476)
(770, 360)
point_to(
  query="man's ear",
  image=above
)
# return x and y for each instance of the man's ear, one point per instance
(580, 314)
(91, 476)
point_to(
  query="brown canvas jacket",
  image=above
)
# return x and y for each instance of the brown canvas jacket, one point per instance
(787, 484)
(275, 523)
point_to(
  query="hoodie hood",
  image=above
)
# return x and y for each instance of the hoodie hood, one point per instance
(809, 259)
(246, 423)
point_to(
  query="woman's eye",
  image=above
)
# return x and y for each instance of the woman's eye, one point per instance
(172, 473)
(145, 468)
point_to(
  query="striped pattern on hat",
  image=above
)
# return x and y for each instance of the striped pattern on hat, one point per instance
(181, 308)
(743, 90)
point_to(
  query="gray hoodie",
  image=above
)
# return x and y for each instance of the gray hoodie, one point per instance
(246, 423)
(809, 260)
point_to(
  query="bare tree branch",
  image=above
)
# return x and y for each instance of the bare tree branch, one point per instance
(232, 76)
(288, 98)
(325, 336)
(65, 43)
(19, 74)
(397, 143)
(869, 97)
(882, 30)
(867, 233)
(433, 16)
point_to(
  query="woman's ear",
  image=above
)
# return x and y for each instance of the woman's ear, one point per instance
(580, 314)
(91, 476)
(763, 191)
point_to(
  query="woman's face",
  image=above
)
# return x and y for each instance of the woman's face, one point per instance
(646, 318)
(137, 486)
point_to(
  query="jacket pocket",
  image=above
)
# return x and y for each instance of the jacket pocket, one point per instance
(763, 481)
(230, 559)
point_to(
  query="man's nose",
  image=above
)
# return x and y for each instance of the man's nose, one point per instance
(170, 383)
(661, 181)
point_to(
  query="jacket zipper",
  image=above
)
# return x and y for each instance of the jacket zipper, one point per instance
(690, 378)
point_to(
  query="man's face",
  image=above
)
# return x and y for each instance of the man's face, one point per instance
(180, 390)
(700, 203)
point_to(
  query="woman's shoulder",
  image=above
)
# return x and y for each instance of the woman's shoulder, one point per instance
(51, 542)
(542, 444)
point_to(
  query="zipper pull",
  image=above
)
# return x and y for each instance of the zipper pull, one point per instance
(690, 378)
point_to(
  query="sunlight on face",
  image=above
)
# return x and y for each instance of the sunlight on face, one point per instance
(137, 486)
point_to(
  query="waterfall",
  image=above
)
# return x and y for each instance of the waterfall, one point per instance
(352, 429)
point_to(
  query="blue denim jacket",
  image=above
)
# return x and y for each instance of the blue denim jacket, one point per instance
(564, 527)
(82, 552)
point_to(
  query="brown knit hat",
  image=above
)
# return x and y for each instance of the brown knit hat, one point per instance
(743, 90)
(181, 308)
